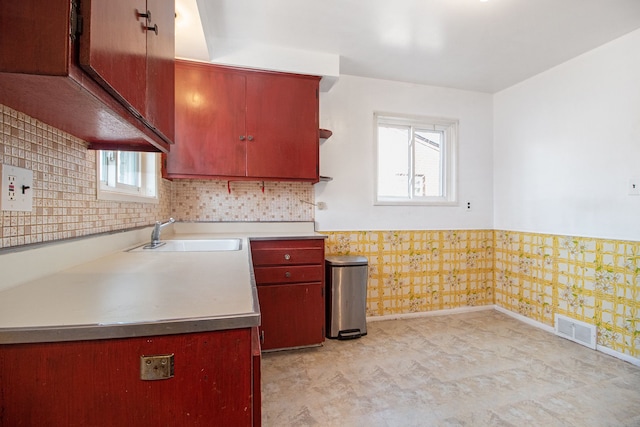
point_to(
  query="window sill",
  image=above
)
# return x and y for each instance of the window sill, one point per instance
(129, 198)
(414, 203)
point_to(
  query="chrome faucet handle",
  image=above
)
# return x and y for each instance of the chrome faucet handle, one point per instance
(161, 225)
(155, 234)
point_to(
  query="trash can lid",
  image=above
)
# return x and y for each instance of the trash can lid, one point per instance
(346, 260)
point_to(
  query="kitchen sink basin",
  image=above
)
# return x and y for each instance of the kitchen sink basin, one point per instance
(205, 245)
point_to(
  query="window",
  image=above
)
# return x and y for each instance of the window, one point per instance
(127, 176)
(415, 160)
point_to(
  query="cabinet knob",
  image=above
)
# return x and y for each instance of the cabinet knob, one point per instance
(287, 274)
(287, 257)
(250, 137)
(145, 15)
(154, 29)
(242, 137)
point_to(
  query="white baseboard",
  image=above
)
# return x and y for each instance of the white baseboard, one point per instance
(618, 355)
(520, 317)
(603, 349)
(525, 319)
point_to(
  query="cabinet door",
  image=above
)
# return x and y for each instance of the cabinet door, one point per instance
(256, 360)
(97, 383)
(34, 37)
(209, 122)
(160, 67)
(292, 315)
(282, 119)
(113, 48)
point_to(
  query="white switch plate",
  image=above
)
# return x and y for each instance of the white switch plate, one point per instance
(634, 186)
(16, 193)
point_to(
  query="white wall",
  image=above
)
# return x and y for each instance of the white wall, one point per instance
(566, 143)
(347, 109)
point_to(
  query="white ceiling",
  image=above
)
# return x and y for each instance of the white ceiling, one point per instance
(465, 44)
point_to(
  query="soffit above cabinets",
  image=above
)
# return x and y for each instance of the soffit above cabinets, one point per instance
(466, 44)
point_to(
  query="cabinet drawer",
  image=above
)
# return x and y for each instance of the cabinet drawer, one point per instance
(287, 256)
(287, 252)
(285, 274)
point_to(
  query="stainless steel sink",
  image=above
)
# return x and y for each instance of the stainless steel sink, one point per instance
(205, 245)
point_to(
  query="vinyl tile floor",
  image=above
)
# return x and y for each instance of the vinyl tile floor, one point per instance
(480, 368)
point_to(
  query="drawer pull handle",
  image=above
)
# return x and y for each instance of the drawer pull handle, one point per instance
(287, 257)
(287, 274)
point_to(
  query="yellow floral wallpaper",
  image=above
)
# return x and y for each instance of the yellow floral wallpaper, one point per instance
(535, 275)
(414, 271)
(587, 279)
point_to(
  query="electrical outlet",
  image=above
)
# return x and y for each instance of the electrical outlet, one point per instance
(16, 193)
(468, 207)
(12, 187)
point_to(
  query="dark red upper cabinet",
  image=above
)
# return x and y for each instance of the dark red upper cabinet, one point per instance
(210, 111)
(244, 124)
(113, 48)
(282, 118)
(127, 46)
(161, 67)
(92, 69)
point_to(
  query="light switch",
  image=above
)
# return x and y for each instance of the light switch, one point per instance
(16, 193)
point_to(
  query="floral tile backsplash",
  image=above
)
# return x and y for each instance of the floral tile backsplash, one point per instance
(206, 200)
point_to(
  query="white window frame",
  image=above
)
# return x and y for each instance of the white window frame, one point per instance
(449, 175)
(148, 190)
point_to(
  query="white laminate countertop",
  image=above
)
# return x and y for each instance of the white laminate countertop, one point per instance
(126, 294)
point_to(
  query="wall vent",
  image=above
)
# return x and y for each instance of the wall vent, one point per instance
(575, 330)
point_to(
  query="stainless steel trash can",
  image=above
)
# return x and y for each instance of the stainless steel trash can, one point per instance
(346, 303)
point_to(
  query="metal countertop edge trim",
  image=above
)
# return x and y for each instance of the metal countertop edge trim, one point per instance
(128, 330)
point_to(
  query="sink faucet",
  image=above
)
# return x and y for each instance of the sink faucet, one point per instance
(155, 234)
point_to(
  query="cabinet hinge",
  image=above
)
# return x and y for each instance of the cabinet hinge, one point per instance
(76, 21)
(322, 292)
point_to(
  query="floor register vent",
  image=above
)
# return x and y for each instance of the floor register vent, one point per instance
(575, 330)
